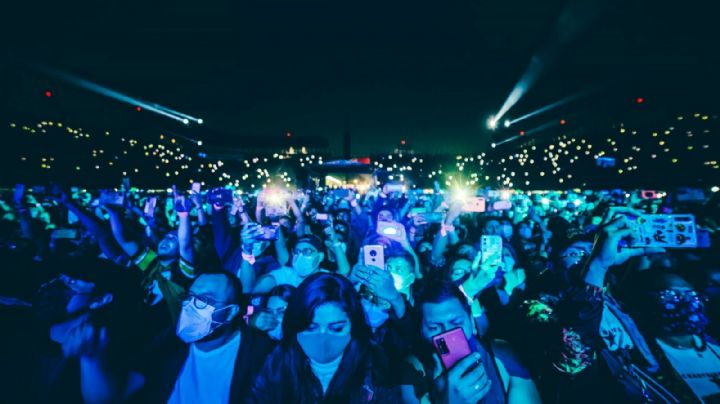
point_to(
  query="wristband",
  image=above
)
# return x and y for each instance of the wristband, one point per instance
(469, 298)
(446, 228)
(249, 258)
(183, 214)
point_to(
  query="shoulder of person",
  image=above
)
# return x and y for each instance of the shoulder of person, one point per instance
(505, 356)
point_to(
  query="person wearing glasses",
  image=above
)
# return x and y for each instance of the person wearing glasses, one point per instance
(211, 357)
(585, 346)
(307, 255)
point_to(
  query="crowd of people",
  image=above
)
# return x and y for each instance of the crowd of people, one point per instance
(328, 295)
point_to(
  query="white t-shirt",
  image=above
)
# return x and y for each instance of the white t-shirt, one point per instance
(613, 332)
(325, 372)
(206, 376)
(699, 369)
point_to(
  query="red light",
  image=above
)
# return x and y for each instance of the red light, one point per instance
(138, 109)
(289, 134)
(639, 100)
(522, 133)
(563, 122)
(48, 93)
(402, 142)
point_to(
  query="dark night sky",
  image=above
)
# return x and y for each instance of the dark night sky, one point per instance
(428, 71)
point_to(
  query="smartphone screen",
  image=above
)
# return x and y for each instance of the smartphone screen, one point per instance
(491, 247)
(388, 228)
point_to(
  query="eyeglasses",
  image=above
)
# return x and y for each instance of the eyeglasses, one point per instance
(305, 251)
(200, 302)
(671, 299)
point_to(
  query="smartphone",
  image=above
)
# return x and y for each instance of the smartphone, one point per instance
(648, 194)
(341, 193)
(666, 231)
(323, 217)
(395, 188)
(195, 188)
(502, 205)
(66, 234)
(374, 255)
(150, 204)
(474, 204)
(431, 217)
(220, 196)
(452, 346)
(491, 247)
(389, 228)
(268, 233)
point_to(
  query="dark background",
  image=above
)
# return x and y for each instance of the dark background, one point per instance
(430, 72)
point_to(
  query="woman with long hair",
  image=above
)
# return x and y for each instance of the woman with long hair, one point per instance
(326, 354)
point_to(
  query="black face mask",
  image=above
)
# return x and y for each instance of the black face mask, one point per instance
(680, 312)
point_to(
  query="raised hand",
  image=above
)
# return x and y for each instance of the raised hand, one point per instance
(378, 281)
(465, 384)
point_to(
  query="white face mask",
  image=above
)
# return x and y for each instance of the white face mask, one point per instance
(304, 266)
(195, 324)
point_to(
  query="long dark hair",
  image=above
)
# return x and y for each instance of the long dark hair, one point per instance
(287, 376)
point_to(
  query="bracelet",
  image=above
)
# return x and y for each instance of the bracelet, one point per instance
(470, 299)
(446, 228)
(249, 258)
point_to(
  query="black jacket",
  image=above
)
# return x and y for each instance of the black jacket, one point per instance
(166, 362)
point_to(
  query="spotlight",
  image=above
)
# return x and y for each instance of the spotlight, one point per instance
(200, 121)
(493, 145)
(506, 123)
(186, 121)
(492, 123)
(199, 142)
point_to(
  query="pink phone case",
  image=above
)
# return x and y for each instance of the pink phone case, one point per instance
(452, 346)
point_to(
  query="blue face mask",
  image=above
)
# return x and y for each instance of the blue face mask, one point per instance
(375, 316)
